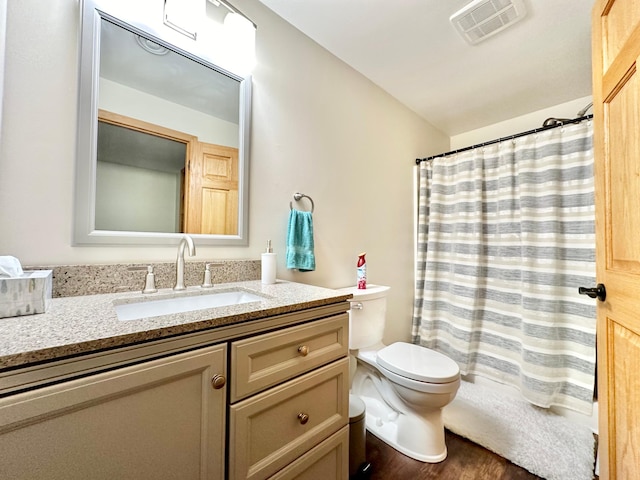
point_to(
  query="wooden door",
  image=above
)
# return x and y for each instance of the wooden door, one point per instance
(616, 95)
(212, 191)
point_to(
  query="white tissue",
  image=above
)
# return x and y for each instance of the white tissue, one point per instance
(10, 267)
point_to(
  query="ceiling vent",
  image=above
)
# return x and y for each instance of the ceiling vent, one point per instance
(481, 19)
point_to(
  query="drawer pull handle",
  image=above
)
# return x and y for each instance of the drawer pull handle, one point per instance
(303, 417)
(218, 381)
(303, 350)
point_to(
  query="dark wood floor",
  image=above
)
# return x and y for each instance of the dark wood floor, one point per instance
(465, 461)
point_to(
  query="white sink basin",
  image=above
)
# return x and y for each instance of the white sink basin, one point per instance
(189, 303)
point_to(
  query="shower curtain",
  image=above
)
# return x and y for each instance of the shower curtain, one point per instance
(506, 236)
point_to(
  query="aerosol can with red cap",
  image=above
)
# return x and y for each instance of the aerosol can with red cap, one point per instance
(362, 271)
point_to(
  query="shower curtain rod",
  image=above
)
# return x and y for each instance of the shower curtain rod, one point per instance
(504, 139)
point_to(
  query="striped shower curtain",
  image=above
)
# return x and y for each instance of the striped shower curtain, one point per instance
(506, 236)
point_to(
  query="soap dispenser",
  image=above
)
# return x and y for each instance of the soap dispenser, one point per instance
(150, 281)
(207, 276)
(269, 265)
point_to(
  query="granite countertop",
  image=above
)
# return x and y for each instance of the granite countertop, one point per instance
(85, 324)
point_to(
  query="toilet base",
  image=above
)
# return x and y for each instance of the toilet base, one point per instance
(417, 435)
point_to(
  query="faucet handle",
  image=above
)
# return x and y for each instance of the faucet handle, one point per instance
(150, 280)
(207, 274)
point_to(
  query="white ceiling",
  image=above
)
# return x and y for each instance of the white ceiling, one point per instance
(411, 50)
(171, 76)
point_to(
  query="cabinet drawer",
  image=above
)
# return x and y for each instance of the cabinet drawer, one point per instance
(266, 431)
(266, 360)
(328, 461)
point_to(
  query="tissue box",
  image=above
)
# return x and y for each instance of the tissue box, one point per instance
(25, 295)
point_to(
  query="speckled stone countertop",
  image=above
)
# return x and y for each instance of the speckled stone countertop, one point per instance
(84, 324)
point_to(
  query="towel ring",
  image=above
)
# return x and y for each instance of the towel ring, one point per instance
(298, 196)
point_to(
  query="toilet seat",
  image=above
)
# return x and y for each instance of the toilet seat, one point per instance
(418, 363)
(418, 386)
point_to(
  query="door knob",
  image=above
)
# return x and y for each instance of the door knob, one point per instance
(599, 291)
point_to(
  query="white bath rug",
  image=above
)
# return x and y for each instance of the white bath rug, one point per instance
(542, 442)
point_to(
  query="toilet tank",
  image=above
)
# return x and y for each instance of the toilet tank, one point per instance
(367, 315)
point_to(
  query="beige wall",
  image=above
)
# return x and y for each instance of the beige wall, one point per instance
(3, 29)
(519, 124)
(318, 127)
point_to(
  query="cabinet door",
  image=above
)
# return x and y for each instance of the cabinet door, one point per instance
(161, 419)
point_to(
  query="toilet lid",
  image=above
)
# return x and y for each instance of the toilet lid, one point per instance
(418, 363)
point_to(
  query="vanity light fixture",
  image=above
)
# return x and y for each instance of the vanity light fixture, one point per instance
(231, 9)
(183, 16)
(240, 35)
(151, 47)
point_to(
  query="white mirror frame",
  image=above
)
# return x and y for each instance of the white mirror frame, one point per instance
(84, 232)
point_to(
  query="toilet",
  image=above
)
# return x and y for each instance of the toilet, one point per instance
(404, 386)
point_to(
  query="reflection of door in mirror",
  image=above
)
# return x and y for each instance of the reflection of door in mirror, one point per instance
(212, 191)
(153, 179)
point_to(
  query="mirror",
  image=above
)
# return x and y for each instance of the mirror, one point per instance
(162, 137)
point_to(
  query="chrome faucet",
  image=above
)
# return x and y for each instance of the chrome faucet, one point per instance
(188, 241)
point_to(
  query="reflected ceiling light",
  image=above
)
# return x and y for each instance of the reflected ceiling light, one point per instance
(151, 47)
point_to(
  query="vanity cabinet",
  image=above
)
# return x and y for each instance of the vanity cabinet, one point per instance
(259, 399)
(302, 376)
(161, 419)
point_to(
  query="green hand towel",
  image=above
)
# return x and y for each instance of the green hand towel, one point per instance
(300, 241)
